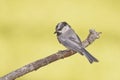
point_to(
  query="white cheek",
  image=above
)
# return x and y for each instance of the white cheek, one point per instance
(65, 29)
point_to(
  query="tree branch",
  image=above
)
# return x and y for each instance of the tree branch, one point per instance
(93, 35)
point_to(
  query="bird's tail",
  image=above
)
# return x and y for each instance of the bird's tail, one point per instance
(89, 56)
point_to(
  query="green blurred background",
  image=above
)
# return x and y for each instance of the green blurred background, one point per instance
(26, 34)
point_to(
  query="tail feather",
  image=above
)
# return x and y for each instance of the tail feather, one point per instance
(89, 56)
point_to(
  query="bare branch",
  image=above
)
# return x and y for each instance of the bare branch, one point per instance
(93, 35)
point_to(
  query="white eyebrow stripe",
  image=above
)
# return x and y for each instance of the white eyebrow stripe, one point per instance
(59, 26)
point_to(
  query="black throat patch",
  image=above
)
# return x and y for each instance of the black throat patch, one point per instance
(58, 33)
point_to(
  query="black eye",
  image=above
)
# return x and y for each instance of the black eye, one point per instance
(60, 29)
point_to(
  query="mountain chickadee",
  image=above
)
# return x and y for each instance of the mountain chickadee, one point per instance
(67, 37)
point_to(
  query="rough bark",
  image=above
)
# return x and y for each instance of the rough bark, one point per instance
(93, 35)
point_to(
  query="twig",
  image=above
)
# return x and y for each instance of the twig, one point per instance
(93, 35)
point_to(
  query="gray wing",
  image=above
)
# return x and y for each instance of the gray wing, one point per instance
(72, 44)
(75, 37)
(78, 47)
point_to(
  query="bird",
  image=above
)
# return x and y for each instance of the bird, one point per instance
(67, 37)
